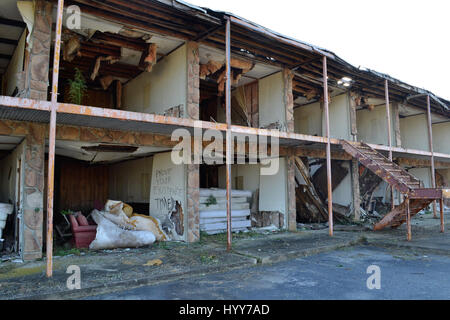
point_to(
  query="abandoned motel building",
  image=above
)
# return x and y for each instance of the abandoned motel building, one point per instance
(87, 112)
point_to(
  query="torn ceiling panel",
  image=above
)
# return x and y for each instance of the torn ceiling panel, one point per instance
(100, 153)
(9, 142)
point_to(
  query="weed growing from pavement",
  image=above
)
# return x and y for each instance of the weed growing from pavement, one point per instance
(61, 252)
(208, 259)
(222, 237)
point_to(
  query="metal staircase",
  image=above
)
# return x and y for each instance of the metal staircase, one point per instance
(416, 197)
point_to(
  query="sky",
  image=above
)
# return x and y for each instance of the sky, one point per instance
(409, 40)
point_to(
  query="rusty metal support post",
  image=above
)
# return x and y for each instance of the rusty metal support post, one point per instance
(408, 220)
(441, 209)
(327, 122)
(430, 143)
(389, 131)
(228, 137)
(52, 139)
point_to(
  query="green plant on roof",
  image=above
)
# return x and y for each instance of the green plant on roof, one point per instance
(77, 87)
(211, 201)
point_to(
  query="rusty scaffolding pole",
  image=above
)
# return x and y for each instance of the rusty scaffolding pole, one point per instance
(228, 137)
(408, 219)
(430, 143)
(52, 138)
(389, 131)
(327, 121)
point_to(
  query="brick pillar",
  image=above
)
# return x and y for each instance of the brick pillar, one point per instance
(33, 193)
(288, 76)
(193, 170)
(36, 73)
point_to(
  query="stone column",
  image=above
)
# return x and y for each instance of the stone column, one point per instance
(396, 117)
(193, 81)
(37, 66)
(33, 193)
(193, 170)
(354, 164)
(355, 190)
(35, 85)
(288, 76)
(292, 209)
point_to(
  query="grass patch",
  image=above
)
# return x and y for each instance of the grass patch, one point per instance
(222, 237)
(208, 259)
(61, 252)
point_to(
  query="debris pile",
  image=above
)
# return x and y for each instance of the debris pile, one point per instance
(120, 227)
(213, 210)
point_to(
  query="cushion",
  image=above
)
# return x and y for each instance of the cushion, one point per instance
(82, 221)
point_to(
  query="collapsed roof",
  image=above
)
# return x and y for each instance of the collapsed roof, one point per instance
(178, 19)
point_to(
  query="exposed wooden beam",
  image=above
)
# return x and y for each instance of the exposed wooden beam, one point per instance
(8, 41)
(5, 56)
(13, 23)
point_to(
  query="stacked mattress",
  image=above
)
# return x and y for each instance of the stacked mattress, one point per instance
(213, 217)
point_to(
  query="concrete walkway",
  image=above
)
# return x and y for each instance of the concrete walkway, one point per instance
(114, 270)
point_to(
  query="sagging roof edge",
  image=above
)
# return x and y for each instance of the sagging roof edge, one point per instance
(218, 17)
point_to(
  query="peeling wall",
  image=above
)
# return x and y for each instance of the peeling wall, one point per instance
(273, 191)
(15, 67)
(168, 186)
(248, 172)
(130, 181)
(162, 88)
(414, 132)
(372, 127)
(339, 110)
(445, 173)
(308, 119)
(441, 136)
(423, 174)
(271, 100)
(343, 193)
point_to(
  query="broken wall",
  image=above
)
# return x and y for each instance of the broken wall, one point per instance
(342, 194)
(339, 111)
(423, 174)
(414, 132)
(271, 100)
(308, 119)
(273, 191)
(372, 126)
(245, 174)
(441, 135)
(169, 189)
(163, 88)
